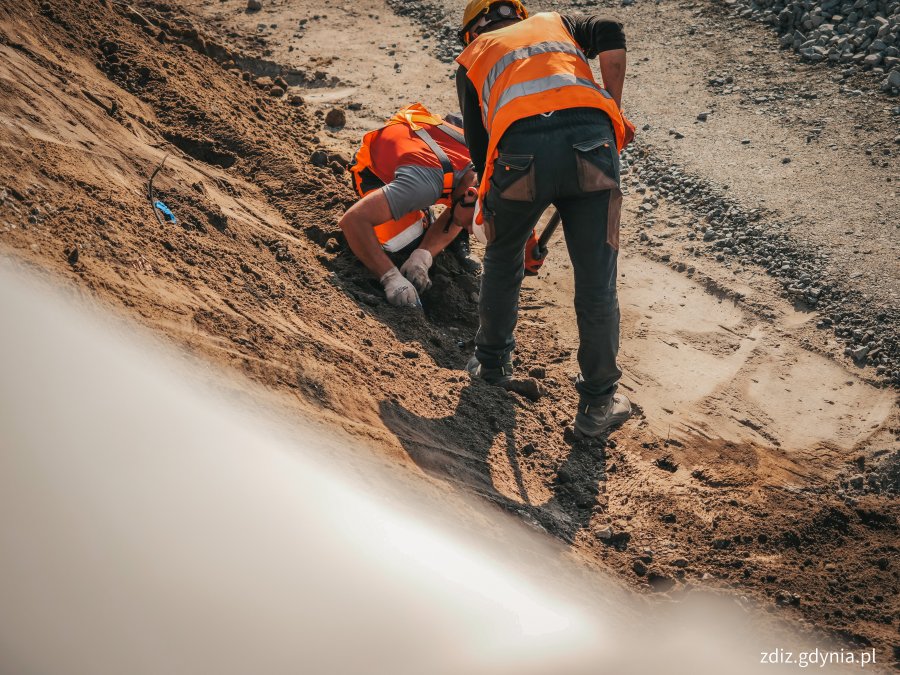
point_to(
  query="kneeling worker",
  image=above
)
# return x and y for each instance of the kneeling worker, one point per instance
(415, 161)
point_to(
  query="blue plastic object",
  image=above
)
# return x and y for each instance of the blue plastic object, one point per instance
(166, 212)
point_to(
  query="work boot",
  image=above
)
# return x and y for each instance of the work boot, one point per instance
(459, 247)
(594, 420)
(499, 377)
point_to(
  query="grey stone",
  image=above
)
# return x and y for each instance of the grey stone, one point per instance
(859, 354)
(872, 60)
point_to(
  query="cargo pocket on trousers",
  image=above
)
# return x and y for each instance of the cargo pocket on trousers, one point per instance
(598, 165)
(598, 171)
(513, 177)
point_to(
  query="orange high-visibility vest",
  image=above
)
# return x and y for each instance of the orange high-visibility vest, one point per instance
(528, 68)
(412, 136)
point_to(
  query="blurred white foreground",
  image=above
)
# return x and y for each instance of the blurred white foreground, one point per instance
(150, 525)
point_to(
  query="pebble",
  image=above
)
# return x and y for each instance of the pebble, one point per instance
(605, 533)
(529, 388)
(702, 117)
(319, 158)
(254, 5)
(338, 157)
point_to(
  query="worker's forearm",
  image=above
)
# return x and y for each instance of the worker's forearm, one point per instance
(362, 241)
(436, 240)
(612, 68)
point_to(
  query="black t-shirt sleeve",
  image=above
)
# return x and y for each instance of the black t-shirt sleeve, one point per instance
(595, 34)
(473, 126)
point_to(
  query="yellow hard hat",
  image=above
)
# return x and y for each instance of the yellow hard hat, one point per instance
(497, 10)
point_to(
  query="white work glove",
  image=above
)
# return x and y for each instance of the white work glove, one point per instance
(416, 269)
(399, 291)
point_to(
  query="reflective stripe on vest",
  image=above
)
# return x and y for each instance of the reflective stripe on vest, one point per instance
(452, 133)
(446, 165)
(543, 84)
(518, 55)
(395, 235)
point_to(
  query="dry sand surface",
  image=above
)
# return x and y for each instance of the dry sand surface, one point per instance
(763, 460)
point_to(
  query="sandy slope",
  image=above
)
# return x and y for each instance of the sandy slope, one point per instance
(738, 470)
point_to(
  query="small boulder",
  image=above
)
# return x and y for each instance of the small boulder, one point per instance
(336, 118)
(254, 5)
(893, 80)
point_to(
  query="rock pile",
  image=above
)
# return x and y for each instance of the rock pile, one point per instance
(859, 35)
(439, 25)
(727, 231)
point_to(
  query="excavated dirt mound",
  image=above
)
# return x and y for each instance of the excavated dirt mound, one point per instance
(737, 471)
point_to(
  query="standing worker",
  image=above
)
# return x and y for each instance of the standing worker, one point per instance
(541, 131)
(415, 161)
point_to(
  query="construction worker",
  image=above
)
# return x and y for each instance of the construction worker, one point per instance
(541, 131)
(415, 161)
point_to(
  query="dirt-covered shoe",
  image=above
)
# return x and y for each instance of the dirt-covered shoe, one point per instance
(459, 247)
(594, 420)
(499, 377)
